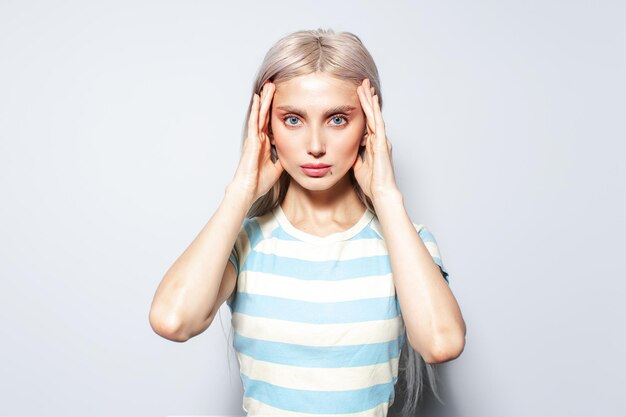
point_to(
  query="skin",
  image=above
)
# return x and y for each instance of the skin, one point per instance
(201, 279)
(434, 324)
(304, 132)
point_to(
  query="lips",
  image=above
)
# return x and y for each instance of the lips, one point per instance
(315, 170)
(315, 166)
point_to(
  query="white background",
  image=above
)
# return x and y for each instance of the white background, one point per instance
(120, 126)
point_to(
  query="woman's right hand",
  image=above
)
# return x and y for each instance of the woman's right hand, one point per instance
(256, 173)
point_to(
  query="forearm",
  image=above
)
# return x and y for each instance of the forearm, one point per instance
(432, 317)
(188, 291)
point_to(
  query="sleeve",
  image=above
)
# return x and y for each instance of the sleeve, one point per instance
(237, 252)
(431, 244)
(237, 256)
(234, 258)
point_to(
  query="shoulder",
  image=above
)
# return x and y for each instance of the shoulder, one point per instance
(258, 228)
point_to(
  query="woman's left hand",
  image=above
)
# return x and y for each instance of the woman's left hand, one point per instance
(375, 173)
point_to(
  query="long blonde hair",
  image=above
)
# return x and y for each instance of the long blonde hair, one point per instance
(343, 56)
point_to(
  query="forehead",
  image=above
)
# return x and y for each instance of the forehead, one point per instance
(315, 88)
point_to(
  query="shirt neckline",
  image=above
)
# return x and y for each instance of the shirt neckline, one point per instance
(284, 222)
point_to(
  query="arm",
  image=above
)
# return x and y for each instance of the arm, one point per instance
(434, 324)
(197, 284)
(188, 296)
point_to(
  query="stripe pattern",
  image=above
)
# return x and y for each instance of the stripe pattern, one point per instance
(317, 324)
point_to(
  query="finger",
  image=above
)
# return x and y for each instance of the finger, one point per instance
(378, 114)
(254, 116)
(265, 103)
(366, 87)
(380, 123)
(270, 97)
(369, 148)
(369, 93)
(260, 109)
(367, 109)
(267, 120)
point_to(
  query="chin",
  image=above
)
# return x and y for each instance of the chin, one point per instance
(323, 183)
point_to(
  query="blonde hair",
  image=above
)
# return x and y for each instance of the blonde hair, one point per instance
(343, 56)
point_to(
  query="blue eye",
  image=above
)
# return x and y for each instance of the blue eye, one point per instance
(288, 117)
(340, 117)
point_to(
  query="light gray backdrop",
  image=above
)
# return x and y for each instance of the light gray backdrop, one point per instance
(120, 126)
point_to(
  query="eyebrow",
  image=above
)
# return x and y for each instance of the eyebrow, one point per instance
(346, 108)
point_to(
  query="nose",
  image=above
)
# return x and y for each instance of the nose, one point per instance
(315, 144)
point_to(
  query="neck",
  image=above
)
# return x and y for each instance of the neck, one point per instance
(338, 204)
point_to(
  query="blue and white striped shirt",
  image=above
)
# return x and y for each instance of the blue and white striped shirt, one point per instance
(317, 323)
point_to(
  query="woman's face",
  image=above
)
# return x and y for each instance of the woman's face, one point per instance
(317, 119)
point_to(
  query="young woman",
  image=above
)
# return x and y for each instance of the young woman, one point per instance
(328, 281)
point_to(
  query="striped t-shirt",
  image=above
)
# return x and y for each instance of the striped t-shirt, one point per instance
(317, 323)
